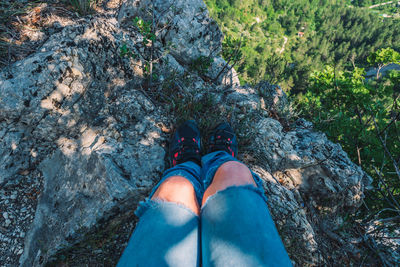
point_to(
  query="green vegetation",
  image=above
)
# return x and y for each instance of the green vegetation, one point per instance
(319, 51)
(317, 32)
(390, 9)
(382, 58)
(201, 64)
(125, 51)
(145, 29)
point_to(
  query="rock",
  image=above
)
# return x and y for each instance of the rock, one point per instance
(223, 73)
(386, 239)
(189, 30)
(61, 112)
(305, 174)
(275, 99)
(83, 188)
(287, 210)
(244, 98)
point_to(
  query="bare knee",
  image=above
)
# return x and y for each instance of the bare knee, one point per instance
(231, 173)
(179, 190)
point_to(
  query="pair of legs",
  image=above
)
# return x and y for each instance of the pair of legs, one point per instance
(205, 211)
(180, 190)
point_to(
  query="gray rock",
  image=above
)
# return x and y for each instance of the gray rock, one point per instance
(275, 99)
(306, 172)
(306, 176)
(69, 116)
(244, 99)
(189, 30)
(223, 73)
(89, 185)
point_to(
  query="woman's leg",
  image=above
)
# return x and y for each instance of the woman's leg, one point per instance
(167, 233)
(236, 226)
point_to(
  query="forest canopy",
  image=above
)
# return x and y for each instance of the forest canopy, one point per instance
(296, 38)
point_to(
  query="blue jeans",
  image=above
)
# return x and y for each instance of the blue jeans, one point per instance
(234, 228)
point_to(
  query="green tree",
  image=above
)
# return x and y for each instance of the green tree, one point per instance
(383, 57)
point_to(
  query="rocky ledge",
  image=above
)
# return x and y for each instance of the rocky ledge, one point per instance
(84, 125)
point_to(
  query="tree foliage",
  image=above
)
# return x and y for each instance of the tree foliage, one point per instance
(318, 33)
(383, 57)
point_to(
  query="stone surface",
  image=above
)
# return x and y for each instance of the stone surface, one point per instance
(188, 32)
(275, 99)
(77, 124)
(223, 73)
(83, 137)
(186, 27)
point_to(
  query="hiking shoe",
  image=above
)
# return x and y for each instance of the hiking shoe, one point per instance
(223, 138)
(185, 144)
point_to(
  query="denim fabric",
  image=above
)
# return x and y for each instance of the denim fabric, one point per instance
(167, 234)
(236, 226)
(237, 230)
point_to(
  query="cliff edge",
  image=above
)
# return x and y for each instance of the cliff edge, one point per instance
(84, 126)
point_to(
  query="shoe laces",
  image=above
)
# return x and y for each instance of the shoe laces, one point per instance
(220, 137)
(221, 141)
(185, 145)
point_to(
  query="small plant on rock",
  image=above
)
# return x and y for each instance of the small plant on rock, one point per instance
(125, 51)
(231, 52)
(145, 29)
(201, 64)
